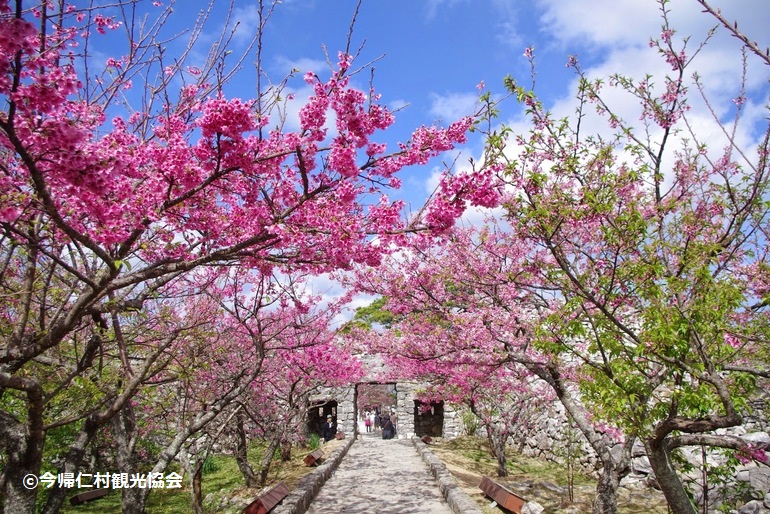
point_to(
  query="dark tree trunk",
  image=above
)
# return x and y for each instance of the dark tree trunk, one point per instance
(606, 500)
(197, 488)
(497, 444)
(240, 452)
(23, 460)
(668, 479)
(72, 463)
(267, 458)
(23, 445)
(133, 500)
(285, 450)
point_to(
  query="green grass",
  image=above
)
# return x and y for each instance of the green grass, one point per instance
(519, 466)
(221, 475)
(224, 477)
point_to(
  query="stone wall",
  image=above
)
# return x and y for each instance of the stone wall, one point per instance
(548, 435)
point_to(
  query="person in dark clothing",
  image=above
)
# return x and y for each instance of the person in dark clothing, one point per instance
(388, 429)
(329, 429)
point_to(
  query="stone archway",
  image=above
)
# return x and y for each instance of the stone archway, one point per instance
(349, 404)
(378, 396)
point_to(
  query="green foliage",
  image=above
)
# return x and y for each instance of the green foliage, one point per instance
(471, 422)
(209, 465)
(371, 316)
(314, 441)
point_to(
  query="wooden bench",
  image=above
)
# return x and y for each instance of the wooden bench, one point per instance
(265, 502)
(88, 496)
(313, 458)
(503, 496)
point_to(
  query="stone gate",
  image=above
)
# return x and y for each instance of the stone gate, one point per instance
(436, 420)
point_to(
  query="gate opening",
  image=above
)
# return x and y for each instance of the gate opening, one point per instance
(428, 419)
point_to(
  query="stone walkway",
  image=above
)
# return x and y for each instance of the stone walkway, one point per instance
(380, 477)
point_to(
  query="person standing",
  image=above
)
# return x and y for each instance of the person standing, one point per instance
(329, 429)
(388, 430)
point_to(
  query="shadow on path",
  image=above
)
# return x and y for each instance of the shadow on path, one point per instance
(382, 477)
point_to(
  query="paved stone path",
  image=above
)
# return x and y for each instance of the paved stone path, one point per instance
(380, 477)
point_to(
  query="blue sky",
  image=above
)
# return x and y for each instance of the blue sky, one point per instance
(435, 52)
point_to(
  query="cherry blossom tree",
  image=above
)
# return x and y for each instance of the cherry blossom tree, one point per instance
(110, 196)
(655, 239)
(272, 346)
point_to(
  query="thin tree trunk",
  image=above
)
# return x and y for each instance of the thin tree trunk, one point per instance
(71, 464)
(613, 471)
(267, 458)
(285, 450)
(497, 445)
(197, 488)
(240, 452)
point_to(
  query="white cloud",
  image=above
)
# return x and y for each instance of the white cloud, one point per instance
(479, 216)
(434, 179)
(283, 65)
(398, 104)
(246, 23)
(618, 31)
(285, 113)
(453, 106)
(604, 22)
(631, 22)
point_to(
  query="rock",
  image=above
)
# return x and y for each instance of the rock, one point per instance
(756, 438)
(532, 508)
(759, 479)
(692, 456)
(556, 489)
(617, 452)
(641, 466)
(767, 501)
(753, 507)
(637, 450)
